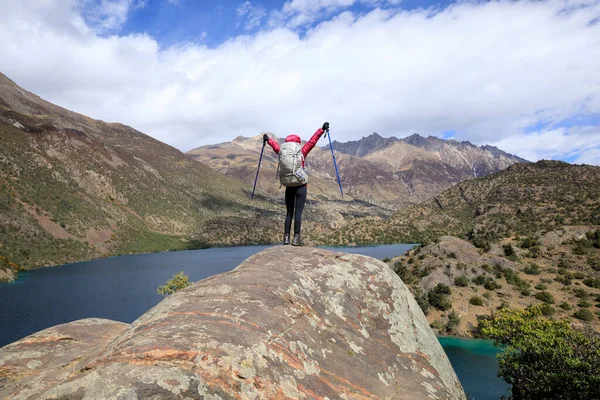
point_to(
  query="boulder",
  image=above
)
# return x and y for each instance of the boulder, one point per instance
(38, 362)
(288, 323)
(6, 275)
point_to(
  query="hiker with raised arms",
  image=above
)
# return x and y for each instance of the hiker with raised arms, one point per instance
(293, 176)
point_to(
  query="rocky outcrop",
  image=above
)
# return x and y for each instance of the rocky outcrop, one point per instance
(35, 364)
(6, 275)
(298, 323)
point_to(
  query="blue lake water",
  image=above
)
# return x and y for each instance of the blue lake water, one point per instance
(123, 288)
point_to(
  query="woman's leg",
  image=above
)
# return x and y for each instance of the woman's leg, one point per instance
(301, 193)
(290, 200)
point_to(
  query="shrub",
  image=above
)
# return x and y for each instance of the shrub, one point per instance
(437, 324)
(491, 284)
(461, 281)
(422, 300)
(578, 275)
(565, 306)
(584, 315)
(479, 279)
(541, 286)
(452, 255)
(438, 297)
(476, 301)
(508, 250)
(582, 294)
(453, 321)
(545, 297)
(547, 310)
(540, 354)
(584, 304)
(532, 269)
(177, 282)
(592, 282)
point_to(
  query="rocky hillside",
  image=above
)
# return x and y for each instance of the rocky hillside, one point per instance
(73, 188)
(300, 323)
(530, 234)
(387, 172)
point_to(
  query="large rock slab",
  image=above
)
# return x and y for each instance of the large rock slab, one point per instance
(288, 323)
(40, 361)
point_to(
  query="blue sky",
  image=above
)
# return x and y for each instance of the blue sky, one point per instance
(520, 75)
(211, 22)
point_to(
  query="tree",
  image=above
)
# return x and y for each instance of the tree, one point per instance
(177, 282)
(544, 359)
(438, 297)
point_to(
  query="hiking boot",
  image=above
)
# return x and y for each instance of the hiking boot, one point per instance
(297, 240)
(286, 238)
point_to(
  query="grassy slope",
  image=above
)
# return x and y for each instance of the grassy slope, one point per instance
(531, 218)
(73, 189)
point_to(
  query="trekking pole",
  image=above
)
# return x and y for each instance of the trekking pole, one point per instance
(258, 169)
(335, 164)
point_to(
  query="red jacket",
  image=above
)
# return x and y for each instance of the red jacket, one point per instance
(308, 146)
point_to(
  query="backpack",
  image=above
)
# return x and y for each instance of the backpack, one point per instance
(291, 172)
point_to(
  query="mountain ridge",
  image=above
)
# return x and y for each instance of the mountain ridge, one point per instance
(386, 172)
(74, 188)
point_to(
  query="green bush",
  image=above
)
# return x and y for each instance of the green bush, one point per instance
(547, 310)
(541, 286)
(438, 297)
(532, 269)
(422, 300)
(480, 279)
(578, 275)
(461, 281)
(491, 284)
(582, 294)
(476, 301)
(453, 321)
(544, 359)
(592, 282)
(177, 282)
(565, 306)
(584, 315)
(545, 297)
(584, 304)
(437, 324)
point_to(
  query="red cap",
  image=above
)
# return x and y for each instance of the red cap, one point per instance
(293, 138)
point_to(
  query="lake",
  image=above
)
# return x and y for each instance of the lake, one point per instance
(123, 288)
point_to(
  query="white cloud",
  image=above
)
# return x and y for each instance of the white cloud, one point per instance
(108, 15)
(578, 142)
(591, 156)
(485, 70)
(253, 14)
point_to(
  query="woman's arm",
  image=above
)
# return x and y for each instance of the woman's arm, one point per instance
(308, 146)
(272, 143)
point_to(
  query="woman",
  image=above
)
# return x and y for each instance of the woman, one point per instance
(292, 175)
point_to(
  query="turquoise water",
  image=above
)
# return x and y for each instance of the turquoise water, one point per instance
(475, 364)
(123, 288)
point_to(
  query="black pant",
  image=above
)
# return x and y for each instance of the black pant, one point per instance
(295, 197)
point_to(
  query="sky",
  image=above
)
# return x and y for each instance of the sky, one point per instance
(520, 75)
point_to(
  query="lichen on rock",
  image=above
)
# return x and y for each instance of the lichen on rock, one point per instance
(298, 323)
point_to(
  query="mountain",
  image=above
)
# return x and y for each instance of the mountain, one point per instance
(73, 188)
(386, 172)
(529, 234)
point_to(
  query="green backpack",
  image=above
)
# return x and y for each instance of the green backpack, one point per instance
(291, 172)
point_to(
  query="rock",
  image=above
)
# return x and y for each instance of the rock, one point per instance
(38, 362)
(6, 275)
(298, 323)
